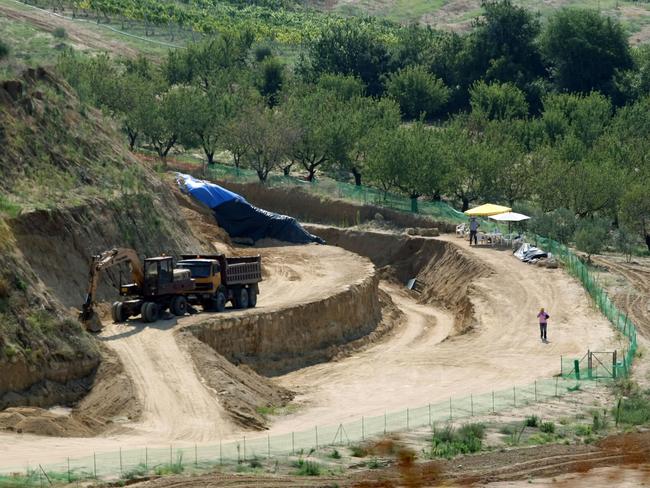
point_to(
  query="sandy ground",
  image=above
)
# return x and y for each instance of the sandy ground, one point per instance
(177, 407)
(414, 365)
(619, 476)
(417, 365)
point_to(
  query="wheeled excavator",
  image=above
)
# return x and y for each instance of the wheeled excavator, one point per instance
(155, 287)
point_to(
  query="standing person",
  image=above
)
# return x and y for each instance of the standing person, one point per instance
(543, 323)
(473, 229)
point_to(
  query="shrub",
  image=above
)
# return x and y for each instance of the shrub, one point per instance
(335, 454)
(255, 463)
(547, 427)
(374, 463)
(417, 92)
(262, 52)
(59, 33)
(307, 468)
(532, 421)
(582, 430)
(358, 451)
(634, 410)
(138, 472)
(590, 237)
(449, 442)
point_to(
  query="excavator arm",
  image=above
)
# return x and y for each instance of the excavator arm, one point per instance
(99, 263)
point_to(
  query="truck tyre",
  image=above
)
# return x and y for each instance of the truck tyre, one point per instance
(252, 297)
(178, 306)
(241, 298)
(117, 312)
(149, 312)
(220, 302)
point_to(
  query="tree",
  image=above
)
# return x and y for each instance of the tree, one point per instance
(268, 136)
(584, 50)
(409, 159)
(590, 237)
(503, 48)
(417, 92)
(635, 208)
(202, 62)
(270, 79)
(164, 126)
(498, 101)
(345, 87)
(348, 47)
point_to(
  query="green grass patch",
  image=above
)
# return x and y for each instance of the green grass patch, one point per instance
(9, 208)
(633, 410)
(450, 441)
(547, 427)
(335, 454)
(307, 468)
(532, 421)
(358, 450)
(582, 430)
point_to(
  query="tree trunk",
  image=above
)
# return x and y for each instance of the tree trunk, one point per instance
(312, 173)
(210, 156)
(286, 170)
(357, 176)
(647, 241)
(262, 175)
(132, 138)
(465, 204)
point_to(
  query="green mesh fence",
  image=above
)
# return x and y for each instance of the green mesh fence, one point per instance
(345, 191)
(622, 364)
(126, 464)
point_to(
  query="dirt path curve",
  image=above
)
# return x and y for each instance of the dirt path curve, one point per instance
(416, 366)
(177, 407)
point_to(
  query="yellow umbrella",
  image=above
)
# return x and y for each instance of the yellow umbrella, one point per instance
(487, 210)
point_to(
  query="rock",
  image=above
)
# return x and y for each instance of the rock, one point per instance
(379, 217)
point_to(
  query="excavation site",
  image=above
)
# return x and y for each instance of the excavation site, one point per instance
(376, 320)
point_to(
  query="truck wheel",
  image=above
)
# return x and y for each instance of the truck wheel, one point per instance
(241, 299)
(117, 312)
(219, 303)
(149, 312)
(178, 306)
(252, 297)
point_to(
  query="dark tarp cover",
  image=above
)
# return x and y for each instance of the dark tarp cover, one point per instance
(241, 219)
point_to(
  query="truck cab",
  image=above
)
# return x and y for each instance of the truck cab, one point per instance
(206, 273)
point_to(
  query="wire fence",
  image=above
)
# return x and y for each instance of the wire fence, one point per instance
(346, 191)
(128, 463)
(620, 366)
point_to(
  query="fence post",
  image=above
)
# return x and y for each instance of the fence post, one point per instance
(244, 448)
(363, 429)
(316, 429)
(556, 380)
(576, 367)
(493, 410)
(170, 455)
(95, 465)
(561, 366)
(384, 422)
(408, 420)
(293, 450)
(220, 452)
(514, 396)
(120, 461)
(196, 456)
(146, 458)
(590, 365)
(535, 391)
(70, 477)
(614, 364)
(471, 404)
(268, 445)
(451, 414)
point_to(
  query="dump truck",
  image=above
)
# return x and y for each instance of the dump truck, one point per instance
(220, 279)
(155, 287)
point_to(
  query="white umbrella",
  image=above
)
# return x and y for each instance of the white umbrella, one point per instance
(509, 217)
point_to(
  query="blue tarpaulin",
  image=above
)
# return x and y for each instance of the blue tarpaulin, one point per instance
(241, 219)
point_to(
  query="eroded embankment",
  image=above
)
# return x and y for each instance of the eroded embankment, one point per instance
(279, 341)
(443, 270)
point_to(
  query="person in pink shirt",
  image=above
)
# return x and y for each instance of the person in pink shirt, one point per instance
(543, 323)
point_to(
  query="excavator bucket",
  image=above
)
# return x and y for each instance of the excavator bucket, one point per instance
(90, 320)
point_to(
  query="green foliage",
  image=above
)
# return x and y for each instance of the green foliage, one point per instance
(584, 49)
(175, 467)
(500, 101)
(599, 420)
(4, 50)
(635, 209)
(532, 421)
(138, 472)
(449, 441)
(335, 454)
(591, 236)
(547, 427)
(358, 450)
(270, 79)
(559, 225)
(582, 430)
(307, 468)
(348, 48)
(418, 92)
(59, 33)
(345, 87)
(634, 410)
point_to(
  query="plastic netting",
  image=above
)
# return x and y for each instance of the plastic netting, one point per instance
(620, 321)
(345, 191)
(126, 463)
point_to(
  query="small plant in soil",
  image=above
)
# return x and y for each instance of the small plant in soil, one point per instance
(547, 427)
(532, 421)
(358, 451)
(307, 468)
(335, 454)
(449, 441)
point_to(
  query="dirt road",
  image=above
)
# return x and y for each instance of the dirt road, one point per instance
(417, 365)
(177, 407)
